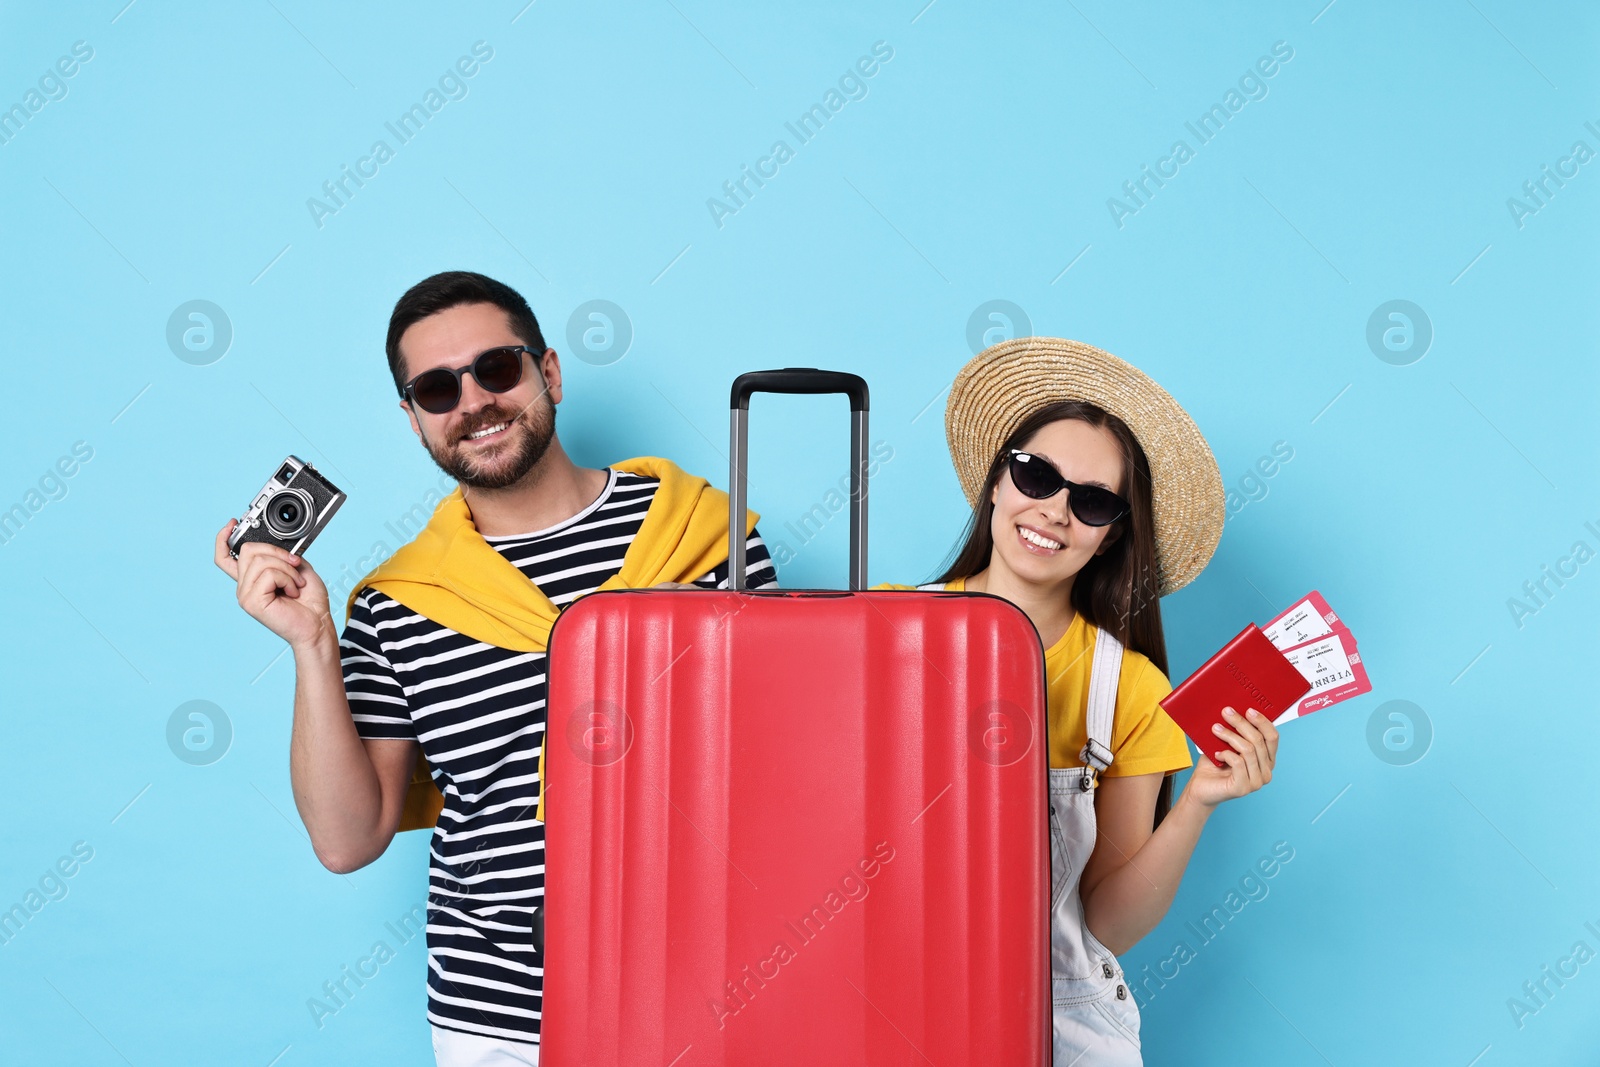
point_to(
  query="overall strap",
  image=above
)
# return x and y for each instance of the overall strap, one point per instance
(1103, 677)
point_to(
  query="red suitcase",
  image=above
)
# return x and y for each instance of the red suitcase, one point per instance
(798, 827)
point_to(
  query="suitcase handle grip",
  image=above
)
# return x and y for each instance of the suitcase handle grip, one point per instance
(797, 380)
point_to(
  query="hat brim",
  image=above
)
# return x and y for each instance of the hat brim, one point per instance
(1003, 384)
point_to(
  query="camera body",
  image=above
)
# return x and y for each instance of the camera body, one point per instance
(291, 509)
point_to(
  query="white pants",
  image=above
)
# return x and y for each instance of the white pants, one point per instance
(452, 1048)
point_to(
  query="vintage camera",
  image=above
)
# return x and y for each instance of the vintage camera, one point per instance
(291, 509)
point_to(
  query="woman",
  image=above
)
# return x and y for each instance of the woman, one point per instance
(1094, 494)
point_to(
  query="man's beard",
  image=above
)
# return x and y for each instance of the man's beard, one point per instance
(526, 442)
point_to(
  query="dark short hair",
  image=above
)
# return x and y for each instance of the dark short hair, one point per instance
(449, 289)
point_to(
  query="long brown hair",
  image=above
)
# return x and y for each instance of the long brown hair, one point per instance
(1118, 590)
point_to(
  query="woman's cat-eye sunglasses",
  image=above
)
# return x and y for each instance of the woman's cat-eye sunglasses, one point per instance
(1035, 477)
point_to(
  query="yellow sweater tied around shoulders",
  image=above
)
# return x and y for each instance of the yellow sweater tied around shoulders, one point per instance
(451, 575)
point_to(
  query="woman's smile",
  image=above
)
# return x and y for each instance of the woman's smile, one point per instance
(1037, 541)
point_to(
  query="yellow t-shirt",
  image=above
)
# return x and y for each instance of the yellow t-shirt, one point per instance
(1144, 739)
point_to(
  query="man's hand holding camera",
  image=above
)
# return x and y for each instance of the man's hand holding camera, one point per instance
(262, 552)
(279, 590)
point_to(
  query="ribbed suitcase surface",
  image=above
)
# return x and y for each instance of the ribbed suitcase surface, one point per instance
(795, 828)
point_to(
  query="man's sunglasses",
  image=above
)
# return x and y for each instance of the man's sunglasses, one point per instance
(1035, 477)
(439, 390)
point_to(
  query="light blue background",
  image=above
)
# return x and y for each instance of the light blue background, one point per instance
(1418, 500)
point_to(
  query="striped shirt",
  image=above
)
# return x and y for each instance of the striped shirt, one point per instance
(479, 713)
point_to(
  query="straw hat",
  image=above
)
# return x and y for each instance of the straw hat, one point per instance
(1005, 383)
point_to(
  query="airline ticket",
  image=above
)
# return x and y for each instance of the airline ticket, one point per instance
(1311, 636)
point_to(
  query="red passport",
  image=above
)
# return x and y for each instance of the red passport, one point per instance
(1248, 672)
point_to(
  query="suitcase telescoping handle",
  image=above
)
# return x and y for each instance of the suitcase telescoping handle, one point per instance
(798, 380)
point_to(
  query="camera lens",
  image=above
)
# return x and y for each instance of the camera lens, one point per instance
(288, 513)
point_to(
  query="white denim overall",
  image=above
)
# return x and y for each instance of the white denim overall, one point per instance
(1095, 1020)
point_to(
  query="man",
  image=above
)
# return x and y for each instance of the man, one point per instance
(445, 644)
